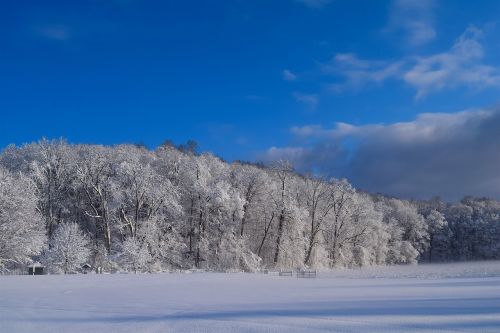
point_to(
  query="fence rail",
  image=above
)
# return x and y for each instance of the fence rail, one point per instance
(306, 274)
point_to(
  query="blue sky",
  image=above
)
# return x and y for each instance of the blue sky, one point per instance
(248, 79)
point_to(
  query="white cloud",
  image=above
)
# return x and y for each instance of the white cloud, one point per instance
(426, 127)
(291, 153)
(288, 75)
(451, 155)
(359, 72)
(460, 66)
(314, 3)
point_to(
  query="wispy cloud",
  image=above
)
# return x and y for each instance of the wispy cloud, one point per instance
(451, 155)
(288, 75)
(55, 32)
(314, 3)
(415, 19)
(310, 100)
(358, 72)
(308, 131)
(462, 65)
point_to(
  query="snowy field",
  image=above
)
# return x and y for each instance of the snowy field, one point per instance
(427, 298)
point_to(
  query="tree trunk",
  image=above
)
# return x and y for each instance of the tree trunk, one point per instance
(309, 250)
(311, 240)
(243, 220)
(278, 239)
(430, 248)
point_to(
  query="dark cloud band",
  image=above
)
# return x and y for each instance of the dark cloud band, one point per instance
(448, 155)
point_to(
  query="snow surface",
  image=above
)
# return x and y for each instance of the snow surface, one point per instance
(426, 298)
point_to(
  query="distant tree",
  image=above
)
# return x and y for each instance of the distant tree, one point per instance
(141, 145)
(436, 223)
(191, 146)
(167, 143)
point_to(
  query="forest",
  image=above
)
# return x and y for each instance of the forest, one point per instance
(126, 208)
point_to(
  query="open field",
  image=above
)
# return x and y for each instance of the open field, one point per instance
(429, 298)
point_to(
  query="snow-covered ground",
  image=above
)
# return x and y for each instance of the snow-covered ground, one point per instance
(427, 298)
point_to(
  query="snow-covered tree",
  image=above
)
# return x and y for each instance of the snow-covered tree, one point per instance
(249, 181)
(408, 232)
(22, 231)
(134, 256)
(95, 173)
(143, 193)
(173, 208)
(53, 175)
(69, 248)
(282, 199)
(436, 223)
(338, 231)
(319, 202)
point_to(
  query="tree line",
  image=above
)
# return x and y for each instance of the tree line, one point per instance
(128, 208)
